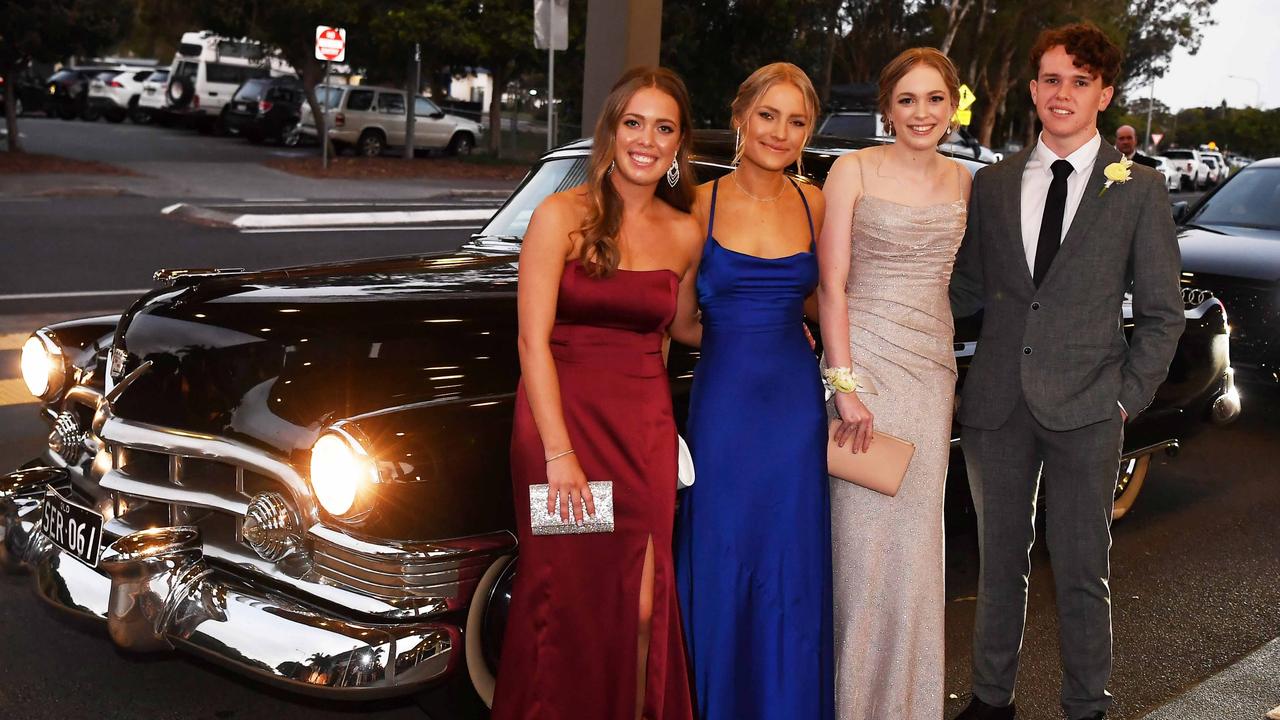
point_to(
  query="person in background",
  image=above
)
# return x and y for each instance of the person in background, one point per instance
(1127, 144)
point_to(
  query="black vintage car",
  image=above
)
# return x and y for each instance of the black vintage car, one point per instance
(302, 473)
(1231, 249)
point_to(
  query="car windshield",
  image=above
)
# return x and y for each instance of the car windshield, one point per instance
(550, 177)
(252, 90)
(1251, 199)
(158, 76)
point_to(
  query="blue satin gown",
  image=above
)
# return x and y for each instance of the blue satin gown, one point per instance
(753, 534)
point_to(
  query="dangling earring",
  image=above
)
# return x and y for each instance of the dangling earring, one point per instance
(673, 172)
(888, 126)
(737, 145)
(612, 164)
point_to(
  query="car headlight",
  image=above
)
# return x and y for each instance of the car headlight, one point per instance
(342, 473)
(44, 368)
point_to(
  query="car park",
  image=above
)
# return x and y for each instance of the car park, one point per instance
(1230, 243)
(265, 108)
(206, 72)
(369, 119)
(115, 95)
(1172, 177)
(1195, 174)
(151, 101)
(302, 473)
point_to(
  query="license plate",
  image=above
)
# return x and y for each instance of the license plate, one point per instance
(75, 529)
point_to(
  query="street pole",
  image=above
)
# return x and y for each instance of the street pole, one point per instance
(1151, 103)
(324, 119)
(551, 72)
(410, 121)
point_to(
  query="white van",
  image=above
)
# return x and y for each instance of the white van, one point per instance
(206, 71)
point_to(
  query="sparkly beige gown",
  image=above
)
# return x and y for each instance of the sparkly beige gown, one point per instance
(887, 551)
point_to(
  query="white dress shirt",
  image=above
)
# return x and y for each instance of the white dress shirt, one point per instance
(1036, 178)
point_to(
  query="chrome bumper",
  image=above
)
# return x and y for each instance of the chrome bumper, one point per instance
(156, 590)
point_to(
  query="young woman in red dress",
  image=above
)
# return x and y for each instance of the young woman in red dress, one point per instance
(594, 629)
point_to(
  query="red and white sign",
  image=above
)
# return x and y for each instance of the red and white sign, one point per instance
(1156, 138)
(331, 43)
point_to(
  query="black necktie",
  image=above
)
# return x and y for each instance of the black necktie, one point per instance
(1051, 224)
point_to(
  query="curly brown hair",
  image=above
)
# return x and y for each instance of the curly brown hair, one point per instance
(600, 253)
(1090, 49)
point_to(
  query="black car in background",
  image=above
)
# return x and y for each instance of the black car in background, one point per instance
(1231, 249)
(28, 92)
(302, 473)
(264, 108)
(67, 92)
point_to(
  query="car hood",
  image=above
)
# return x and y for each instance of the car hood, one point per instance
(269, 358)
(1252, 253)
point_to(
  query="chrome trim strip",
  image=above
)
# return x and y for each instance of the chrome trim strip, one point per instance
(1162, 445)
(119, 481)
(497, 542)
(166, 441)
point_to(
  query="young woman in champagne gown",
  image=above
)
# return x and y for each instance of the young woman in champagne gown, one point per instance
(895, 217)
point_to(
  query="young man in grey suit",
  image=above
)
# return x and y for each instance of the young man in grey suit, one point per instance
(1057, 234)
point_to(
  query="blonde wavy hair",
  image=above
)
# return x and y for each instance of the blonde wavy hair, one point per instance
(760, 82)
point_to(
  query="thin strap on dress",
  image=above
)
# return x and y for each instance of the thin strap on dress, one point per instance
(960, 170)
(711, 215)
(808, 215)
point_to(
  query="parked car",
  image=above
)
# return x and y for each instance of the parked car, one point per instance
(1231, 249)
(67, 93)
(1172, 177)
(1195, 174)
(1218, 164)
(207, 71)
(28, 92)
(370, 119)
(115, 95)
(151, 101)
(303, 473)
(265, 108)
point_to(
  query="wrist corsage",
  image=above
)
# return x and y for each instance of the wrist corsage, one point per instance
(841, 379)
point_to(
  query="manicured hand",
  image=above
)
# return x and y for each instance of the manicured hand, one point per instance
(857, 423)
(569, 489)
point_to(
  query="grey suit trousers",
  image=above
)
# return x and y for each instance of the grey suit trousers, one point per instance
(1077, 470)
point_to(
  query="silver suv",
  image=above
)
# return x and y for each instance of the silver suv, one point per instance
(371, 118)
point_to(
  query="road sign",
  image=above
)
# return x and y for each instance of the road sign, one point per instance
(964, 115)
(331, 43)
(551, 23)
(1156, 138)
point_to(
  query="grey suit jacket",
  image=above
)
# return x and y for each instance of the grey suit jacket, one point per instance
(1062, 345)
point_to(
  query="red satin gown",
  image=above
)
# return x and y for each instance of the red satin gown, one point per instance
(570, 647)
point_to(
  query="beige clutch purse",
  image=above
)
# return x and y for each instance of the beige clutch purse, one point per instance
(881, 468)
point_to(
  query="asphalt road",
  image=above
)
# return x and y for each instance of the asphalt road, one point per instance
(1194, 565)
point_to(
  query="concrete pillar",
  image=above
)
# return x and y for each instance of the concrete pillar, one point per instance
(621, 34)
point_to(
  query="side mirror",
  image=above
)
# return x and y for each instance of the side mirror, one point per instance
(436, 115)
(1181, 210)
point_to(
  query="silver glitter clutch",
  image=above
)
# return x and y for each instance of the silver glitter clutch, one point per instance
(545, 523)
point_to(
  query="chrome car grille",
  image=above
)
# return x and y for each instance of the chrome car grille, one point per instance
(209, 482)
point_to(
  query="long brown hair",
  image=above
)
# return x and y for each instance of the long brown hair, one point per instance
(757, 84)
(600, 228)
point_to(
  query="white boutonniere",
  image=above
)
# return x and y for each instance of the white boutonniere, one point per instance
(1117, 172)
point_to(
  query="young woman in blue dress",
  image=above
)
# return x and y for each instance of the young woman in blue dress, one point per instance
(753, 533)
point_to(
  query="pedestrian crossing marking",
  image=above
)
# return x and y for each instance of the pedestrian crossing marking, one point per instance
(14, 392)
(13, 341)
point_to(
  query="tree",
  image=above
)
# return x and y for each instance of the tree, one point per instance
(50, 31)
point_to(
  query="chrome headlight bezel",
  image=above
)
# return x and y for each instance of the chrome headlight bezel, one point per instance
(343, 474)
(42, 357)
